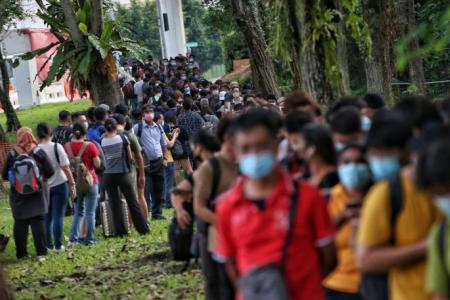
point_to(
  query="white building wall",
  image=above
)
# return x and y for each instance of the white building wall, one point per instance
(173, 40)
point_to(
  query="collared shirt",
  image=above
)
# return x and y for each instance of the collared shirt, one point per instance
(152, 140)
(255, 237)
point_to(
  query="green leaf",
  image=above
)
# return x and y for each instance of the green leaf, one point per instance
(37, 52)
(83, 28)
(99, 46)
(106, 32)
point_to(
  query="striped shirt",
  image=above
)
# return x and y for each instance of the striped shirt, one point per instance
(115, 154)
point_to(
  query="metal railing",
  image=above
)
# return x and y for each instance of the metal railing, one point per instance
(436, 89)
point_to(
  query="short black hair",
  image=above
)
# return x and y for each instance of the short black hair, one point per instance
(75, 115)
(64, 116)
(320, 137)
(346, 101)
(374, 101)
(259, 117)
(205, 139)
(295, 121)
(90, 114)
(136, 114)
(43, 130)
(121, 109)
(119, 118)
(225, 126)
(187, 104)
(418, 111)
(100, 114)
(346, 121)
(432, 166)
(171, 103)
(389, 130)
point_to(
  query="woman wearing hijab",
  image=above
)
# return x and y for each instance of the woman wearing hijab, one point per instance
(29, 205)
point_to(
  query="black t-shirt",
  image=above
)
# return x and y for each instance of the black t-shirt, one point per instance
(62, 134)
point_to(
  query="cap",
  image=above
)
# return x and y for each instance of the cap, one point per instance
(105, 107)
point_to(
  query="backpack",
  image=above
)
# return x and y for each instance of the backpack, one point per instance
(25, 176)
(83, 177)
(181, 240)
(376, 286)
(128, 89)
(95, 132)
(101, 155)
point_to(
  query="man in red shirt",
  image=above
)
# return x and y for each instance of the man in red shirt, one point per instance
(252, 218)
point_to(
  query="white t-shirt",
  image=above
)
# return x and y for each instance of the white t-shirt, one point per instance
(59, 177)
(138, 90)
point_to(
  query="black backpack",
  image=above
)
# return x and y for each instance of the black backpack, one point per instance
(376, 286)
(180, 240)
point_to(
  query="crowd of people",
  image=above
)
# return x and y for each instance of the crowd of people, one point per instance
(289, 200)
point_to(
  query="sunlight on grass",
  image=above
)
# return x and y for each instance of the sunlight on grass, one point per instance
(30, 117)
(135, 267)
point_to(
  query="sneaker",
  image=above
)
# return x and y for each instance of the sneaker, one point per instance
(41, 258)
(62, 248)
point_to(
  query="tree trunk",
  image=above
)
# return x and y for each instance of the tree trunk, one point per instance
(341, 51)
(312, 61)
(379, 67)
(12, 122)
(263, 69)
(103, 90)
(406, 21)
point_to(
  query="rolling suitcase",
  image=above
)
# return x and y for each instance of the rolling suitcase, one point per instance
(107, 218)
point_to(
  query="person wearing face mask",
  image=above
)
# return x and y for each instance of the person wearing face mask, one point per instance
(211, 179)
(345, 125)
(153, 145)
(236, 96)
(396, 217)
(344, 206)
(252, 217)
(433, 176)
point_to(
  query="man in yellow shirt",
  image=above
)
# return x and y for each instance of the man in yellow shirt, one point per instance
(396, 246)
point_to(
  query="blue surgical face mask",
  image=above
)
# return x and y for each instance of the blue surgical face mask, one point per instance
(443, 203)
(366, 123)
(257, 166)
(354, 175)
(339, 147)
(384, 167)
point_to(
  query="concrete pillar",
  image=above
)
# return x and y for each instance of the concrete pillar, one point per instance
(173, 40)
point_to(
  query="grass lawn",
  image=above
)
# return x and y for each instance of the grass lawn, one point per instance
(30, 117)
(117, 268)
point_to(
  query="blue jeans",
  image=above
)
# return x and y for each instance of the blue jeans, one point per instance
(85, 207)
(56, 211)
(169, 182)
